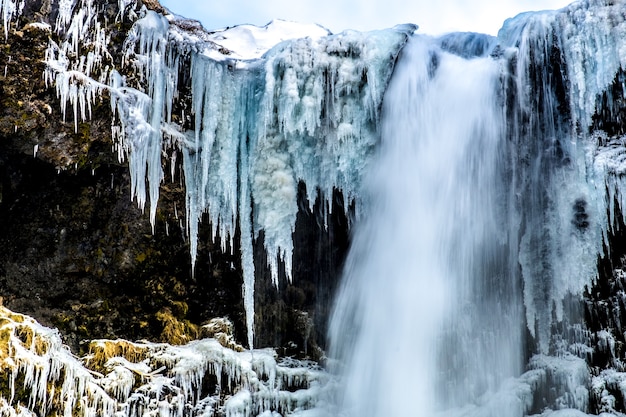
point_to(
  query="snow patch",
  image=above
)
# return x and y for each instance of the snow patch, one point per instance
(251, 42)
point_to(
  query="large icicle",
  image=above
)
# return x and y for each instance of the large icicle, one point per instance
(147, 50)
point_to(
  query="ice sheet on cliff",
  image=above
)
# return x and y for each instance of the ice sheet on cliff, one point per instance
(263, 118)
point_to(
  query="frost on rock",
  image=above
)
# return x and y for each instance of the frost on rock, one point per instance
(119, 378)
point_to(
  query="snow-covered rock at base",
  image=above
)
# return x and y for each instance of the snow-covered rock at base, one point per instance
(121, 378)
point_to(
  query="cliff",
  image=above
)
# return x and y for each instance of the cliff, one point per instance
(79, 254)
(170, 197)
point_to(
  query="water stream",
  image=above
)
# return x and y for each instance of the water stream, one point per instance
(429, 315)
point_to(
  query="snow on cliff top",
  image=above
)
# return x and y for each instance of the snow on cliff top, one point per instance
(251, 42)
(246, 42)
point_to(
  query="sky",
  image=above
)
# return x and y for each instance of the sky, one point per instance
(433, 17)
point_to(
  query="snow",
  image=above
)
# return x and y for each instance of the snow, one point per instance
(121, 378)
(247, 42)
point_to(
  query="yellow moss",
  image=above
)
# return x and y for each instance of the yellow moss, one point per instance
(100, 351)
(179, 289)
(176, 332)
(7, 314)
(5, 350)
(180, 308)
(14, 324)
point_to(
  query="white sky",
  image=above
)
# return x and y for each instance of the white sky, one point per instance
(433, 16)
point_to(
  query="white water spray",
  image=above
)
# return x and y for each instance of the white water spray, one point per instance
(427, 317)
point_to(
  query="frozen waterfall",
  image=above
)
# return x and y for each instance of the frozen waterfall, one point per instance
(486, 176)
(490, 202)
(429, 290)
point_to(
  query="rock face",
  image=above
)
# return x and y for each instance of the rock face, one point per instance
(78, 254)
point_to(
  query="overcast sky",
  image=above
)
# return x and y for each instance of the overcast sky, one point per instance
(433, 16)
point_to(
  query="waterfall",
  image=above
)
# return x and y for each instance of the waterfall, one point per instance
(429, 316)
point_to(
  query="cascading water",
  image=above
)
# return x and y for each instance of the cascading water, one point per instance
(429, 315)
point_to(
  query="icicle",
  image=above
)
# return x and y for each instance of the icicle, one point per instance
(578, 50)
(258, 127)
(10, 10)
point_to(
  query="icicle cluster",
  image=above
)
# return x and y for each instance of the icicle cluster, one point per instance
(10, 9)
(564, 61)
(78, 67)
(120, 378)
(307, 111)
(318, 124)
(143, 113)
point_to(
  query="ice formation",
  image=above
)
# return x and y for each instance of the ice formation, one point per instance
(304, 110)
(509, 200)
(571, 56)
(121, 378)
(462, 261)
